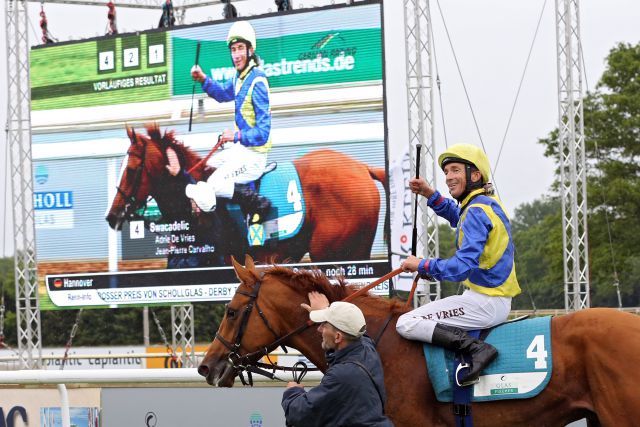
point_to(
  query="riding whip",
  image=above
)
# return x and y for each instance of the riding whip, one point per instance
(414, 235)
(193, 89)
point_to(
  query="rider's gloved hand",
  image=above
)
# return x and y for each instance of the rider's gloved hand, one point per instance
(228, 136)
(413, 264)
(197, 74)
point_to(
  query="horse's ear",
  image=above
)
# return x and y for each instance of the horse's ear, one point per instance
(132, 134)
(248, 262)
(244, 275)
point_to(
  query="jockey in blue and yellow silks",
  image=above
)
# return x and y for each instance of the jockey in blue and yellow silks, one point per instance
(244, 158)
(483, 262)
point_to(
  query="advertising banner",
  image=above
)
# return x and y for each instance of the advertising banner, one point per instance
(402, 205)
(131, 205)
(41, 407)
(176, 406)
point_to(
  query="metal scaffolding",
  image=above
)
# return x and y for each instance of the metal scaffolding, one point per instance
(573, 179)
(182, 330)
(19, 140)
(419, 80)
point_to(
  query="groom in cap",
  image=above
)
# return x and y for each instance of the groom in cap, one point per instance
(352, 389)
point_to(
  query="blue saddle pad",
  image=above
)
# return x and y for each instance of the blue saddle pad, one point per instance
(282, 187)
(521, 370)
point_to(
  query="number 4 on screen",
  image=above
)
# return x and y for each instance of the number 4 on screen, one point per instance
(137, 230)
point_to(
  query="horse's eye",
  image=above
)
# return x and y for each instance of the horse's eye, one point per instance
(231, 313)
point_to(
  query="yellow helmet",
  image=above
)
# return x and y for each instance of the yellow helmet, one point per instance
(242, 31)
(469, 154)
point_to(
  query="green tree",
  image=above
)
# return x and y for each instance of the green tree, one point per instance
(612, 133)
(537, 236)
(8, 295)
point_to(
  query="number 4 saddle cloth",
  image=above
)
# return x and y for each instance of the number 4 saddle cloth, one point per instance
(283, 188)
(521, 370)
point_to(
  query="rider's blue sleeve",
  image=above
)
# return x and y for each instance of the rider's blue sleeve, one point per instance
(259, 134)
(221, 92)
(444, 208)
(474, 234)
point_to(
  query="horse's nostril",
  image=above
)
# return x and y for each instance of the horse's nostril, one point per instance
(203, 370)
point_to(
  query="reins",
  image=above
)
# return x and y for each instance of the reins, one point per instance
(208, 156)
(373, 284)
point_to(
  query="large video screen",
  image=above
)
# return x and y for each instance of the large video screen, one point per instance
(131, 204)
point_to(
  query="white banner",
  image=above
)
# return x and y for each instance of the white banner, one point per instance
(120, 357)
(402, 205)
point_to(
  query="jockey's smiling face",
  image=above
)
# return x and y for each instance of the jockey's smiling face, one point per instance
(240, 55)
(455, 176)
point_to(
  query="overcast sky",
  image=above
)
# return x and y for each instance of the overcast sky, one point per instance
(491, 39)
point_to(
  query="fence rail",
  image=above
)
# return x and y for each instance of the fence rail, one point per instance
(561, 311)
(120, 376)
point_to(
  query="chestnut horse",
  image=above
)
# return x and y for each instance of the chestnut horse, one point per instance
(594, 355)
(342, 200)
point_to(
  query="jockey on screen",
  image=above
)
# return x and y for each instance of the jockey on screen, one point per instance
(243, 157)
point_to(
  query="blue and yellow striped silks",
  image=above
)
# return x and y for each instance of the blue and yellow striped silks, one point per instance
(250, 91)
(484, 259)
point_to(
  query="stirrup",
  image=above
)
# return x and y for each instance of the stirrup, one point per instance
(460, 367)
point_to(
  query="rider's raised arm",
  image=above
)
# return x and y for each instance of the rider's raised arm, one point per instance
(221, 92)
(258, 135)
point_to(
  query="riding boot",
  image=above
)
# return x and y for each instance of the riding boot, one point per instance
(452, 338)
(251, 203)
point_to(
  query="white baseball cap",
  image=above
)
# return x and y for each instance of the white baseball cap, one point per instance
(342, 315)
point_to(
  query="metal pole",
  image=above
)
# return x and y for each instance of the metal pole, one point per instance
(419, 66)
(64, 405)
(145, 326)
(573, 185)
(19, 140)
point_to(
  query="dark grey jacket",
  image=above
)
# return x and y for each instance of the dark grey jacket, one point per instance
(346, 396)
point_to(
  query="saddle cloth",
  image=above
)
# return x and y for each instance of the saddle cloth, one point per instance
(283, 188)
(521, 370)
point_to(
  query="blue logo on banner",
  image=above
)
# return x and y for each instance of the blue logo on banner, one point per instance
(53, 200)
(255, 420)
(42, 174)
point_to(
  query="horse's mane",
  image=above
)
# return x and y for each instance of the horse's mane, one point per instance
(315, 280)
(168, 139)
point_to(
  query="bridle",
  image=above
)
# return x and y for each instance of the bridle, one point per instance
(249, 362)
(131, 203)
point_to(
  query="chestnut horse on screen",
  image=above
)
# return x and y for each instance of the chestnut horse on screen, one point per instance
(595, 355)
(342, 200)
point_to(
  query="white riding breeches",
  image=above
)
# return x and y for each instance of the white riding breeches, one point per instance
(471, 310)
(235, 163)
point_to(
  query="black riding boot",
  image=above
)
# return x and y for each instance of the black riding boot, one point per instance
(251, 203)
(452, 338)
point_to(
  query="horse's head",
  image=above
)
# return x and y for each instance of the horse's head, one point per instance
(264, 313)
(144, 160)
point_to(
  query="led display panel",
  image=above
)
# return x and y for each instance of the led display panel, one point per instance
(118, 223)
